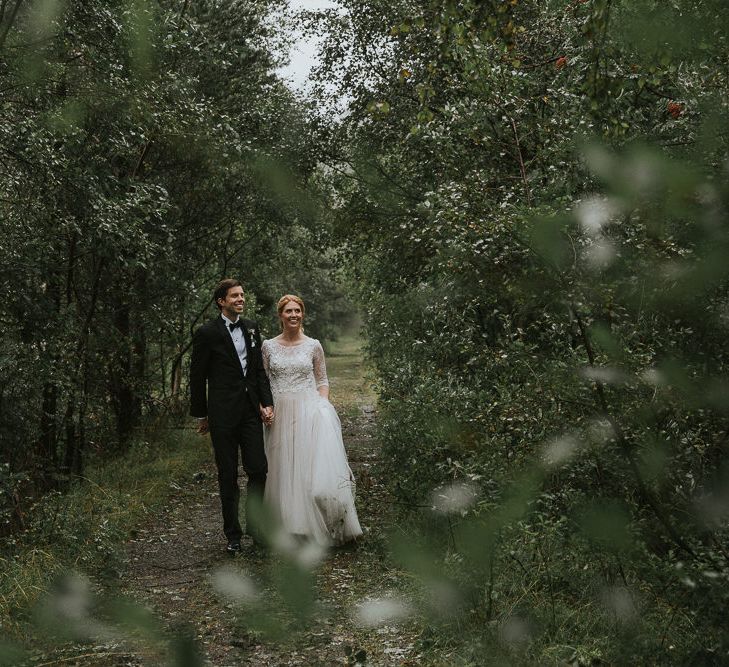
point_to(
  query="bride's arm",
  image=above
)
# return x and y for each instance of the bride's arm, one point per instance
(266, 406)
(320, 371)
(264, 356)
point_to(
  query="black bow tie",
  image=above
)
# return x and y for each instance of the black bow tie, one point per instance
(236, 325)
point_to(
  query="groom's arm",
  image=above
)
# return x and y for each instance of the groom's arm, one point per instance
(199, 374)
(264, 387)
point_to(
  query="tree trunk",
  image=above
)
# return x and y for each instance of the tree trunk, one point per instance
(121, 390)
(47, 446)
(48, 441)
(129, 370)
(70, 456)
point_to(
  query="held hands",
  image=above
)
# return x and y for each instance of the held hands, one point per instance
(266, 414)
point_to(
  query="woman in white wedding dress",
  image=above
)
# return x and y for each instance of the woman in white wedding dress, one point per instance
(310, 487)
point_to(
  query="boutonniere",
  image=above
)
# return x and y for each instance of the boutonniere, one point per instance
(252, 333)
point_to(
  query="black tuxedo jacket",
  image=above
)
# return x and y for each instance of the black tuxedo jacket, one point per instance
(215, 366)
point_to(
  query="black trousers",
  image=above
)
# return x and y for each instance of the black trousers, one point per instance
(247, 436)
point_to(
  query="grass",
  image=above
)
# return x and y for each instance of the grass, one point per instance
(350, 388)
(85, 528)
(533, 622)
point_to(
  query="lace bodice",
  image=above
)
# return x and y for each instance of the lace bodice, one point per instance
(294, 368)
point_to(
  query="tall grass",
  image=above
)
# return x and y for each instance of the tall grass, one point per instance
(85, 528)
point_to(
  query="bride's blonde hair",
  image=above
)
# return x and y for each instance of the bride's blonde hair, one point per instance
(284, 300)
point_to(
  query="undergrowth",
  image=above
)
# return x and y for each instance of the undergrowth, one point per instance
(84, 529)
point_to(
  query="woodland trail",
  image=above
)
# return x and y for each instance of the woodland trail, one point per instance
(172, 563)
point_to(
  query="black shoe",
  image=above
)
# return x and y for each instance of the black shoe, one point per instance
(233, 547)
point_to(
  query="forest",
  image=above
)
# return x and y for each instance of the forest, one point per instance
(521, 205)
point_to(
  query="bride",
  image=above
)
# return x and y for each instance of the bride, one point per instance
(310, 486)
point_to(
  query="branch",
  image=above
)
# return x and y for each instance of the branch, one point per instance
(186, 346)
(626, 446)
(522, 168)
(140, 162)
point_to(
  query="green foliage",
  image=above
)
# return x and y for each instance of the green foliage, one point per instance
(534, 202)
(531, 198)
(83, 529)
(133, 140)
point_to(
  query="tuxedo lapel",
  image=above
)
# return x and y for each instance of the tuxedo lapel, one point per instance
(249, 345)
(228, 342)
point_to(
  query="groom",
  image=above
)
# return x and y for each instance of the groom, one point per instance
(226, 360)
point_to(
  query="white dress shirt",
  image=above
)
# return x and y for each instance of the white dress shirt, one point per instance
(238, 341)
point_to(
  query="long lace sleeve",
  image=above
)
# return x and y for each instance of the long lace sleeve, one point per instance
(265, 354)
(320, 367)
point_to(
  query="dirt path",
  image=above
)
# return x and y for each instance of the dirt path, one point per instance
(173, 563)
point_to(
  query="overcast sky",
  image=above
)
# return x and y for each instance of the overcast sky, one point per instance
(303, 52)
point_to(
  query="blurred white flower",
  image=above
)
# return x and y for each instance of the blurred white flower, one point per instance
(653, 377)
(310, 554)
(380, 611)
(516, 630)
(642, 173)
(455, 498)
(619, 601)
(69, 606)
(600, 161)
(284, 543)
(72, 600)
(233, 585)
(601, 374)
(444, 598)
(560, 450)
(600, 431)
(596, 212)
(599, 254)
(307, 554)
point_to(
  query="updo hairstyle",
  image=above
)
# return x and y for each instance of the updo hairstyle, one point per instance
(284, 300)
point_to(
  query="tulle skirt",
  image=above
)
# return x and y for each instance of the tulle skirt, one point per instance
(310, 486)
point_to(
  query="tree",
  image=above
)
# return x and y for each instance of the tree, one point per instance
(534, 300)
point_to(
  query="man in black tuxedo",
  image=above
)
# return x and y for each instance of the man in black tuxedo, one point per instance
(226, 359)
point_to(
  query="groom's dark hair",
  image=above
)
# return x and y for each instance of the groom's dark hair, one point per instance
(221, 291)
